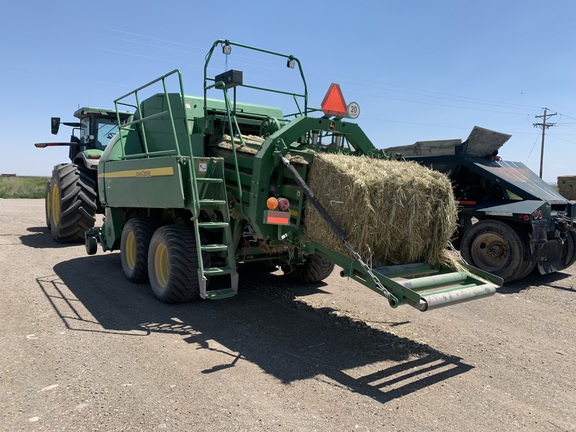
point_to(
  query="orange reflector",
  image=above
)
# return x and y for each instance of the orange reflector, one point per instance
(333, 103)
(272, 203)
(94, 156)
(276, 217)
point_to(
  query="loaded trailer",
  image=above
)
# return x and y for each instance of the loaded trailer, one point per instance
(510, 220)
(193, 187)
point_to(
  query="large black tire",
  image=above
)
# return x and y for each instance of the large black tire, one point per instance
(48, 204)
(570, 247)
(173, 264)
(496, 247)
(530, 260)
(72, 202)
(315, 269)
(134, 244)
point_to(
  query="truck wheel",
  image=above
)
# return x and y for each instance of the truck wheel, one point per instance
(530, 260)
(72, 202)
(495, 247)
(313, 270)
(134, 245)
(570, 246)
(173, 264)
(47, 206)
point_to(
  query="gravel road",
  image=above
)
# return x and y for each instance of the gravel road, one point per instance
(82, 349)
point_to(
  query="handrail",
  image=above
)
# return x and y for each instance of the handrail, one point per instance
(170, 113)
(289, 57)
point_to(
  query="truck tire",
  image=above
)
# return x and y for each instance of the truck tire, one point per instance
(173, 264)
(570, 246)
(47, 206)
(313, 270)
(72, 202)
(530, 260)
(134, 244)
(497, 248)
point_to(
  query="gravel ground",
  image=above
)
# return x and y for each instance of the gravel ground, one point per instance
(82, 349)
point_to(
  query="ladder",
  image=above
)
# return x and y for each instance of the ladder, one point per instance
(216, 258)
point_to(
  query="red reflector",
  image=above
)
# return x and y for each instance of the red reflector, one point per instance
(276, 217)
(333, 103)
(526, 217)
(466, 202)
(93, 156)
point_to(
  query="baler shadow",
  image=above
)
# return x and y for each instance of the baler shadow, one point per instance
(287, 340)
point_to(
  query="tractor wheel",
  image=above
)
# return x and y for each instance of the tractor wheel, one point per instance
(47, 206)
(134, 245)
(497, 248)
(173, 264)
(72, 202)
(313, 270)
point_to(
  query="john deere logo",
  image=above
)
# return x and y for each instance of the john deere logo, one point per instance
(331, 125)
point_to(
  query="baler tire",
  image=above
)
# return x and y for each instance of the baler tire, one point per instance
(173, 264)
(134, 244)
(73, 202)
(495, 247)
(315, 269)
(47, 205)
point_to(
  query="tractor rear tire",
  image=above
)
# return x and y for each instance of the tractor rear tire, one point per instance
(173, 264)
(134, 244)
(72, 202)
(497, 248)
(47, 205)
(315, 269)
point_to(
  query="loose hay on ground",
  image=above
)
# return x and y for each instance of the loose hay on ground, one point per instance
(390, 210)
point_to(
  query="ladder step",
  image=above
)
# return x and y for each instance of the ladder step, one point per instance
(220, 294)
(218, 271)
(209, 180)
(210, 202)
(214, 247)
(213, 224)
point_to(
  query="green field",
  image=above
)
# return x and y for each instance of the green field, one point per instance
(22, 187)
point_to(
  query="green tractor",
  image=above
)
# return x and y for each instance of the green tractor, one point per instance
(71, 199)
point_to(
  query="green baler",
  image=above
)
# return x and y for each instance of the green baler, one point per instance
(194, 187)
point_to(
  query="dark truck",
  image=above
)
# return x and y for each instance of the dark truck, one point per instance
(510, 220)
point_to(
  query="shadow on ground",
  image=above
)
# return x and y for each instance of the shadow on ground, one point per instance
(285, 338)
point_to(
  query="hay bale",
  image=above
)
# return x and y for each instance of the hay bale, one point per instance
(391, 211)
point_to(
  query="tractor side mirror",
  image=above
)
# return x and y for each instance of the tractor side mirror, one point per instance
(55, 125)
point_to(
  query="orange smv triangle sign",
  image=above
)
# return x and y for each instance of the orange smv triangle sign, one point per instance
(333, 103)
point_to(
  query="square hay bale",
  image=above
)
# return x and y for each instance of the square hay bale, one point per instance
(391, 211)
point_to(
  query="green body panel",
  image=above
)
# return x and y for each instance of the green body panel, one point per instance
(147, 183)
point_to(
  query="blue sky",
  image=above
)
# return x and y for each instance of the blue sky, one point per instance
(420, 70)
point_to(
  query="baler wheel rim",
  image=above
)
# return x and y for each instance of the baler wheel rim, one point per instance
(161, 265)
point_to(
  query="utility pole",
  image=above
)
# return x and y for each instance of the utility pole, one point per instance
(544, 126)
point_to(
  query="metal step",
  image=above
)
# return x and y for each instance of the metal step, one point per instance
(218, 271)
(209, 180)
(214, 247)
(211, 202)
(220, 294)
(210, 225)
